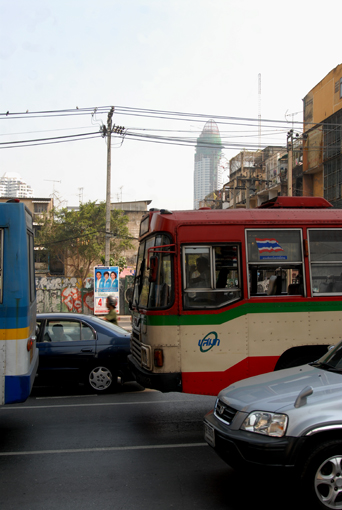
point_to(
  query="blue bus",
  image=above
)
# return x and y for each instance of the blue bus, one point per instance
(18, 352)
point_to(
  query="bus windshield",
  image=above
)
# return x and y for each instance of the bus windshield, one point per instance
(157, 293)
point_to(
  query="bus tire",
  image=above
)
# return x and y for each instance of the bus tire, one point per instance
(296, 362)
(300, 356)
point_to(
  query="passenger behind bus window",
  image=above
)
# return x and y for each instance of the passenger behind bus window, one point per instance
(276, 281)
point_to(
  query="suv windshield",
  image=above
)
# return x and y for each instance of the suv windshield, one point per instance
(332, 360)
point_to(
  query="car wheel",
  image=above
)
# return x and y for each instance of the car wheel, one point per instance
(101, 379)
(323, 475)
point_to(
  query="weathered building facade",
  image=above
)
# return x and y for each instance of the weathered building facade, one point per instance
(322, 151)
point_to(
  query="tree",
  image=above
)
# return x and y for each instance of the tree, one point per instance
(77, 238)
(121, 262)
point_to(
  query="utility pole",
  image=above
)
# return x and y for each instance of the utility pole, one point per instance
(109, 133)
(247, 193)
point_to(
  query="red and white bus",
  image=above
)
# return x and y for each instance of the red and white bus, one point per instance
(221, 295)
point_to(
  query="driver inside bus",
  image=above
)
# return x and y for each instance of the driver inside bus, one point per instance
(201, 277)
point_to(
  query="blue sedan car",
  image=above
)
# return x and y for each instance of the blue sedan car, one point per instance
(82, 348)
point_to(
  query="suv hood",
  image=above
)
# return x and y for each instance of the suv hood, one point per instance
(278, 391)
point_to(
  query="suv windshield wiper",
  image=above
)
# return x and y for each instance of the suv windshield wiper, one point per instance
(325, 366)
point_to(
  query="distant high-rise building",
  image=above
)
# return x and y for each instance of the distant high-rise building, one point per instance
(208, 173)
(12, 185)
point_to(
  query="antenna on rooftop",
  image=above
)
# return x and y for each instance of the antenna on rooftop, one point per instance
(259, 109)
(80, 195)
(54, 195)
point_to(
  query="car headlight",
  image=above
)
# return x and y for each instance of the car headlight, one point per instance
(269, 424)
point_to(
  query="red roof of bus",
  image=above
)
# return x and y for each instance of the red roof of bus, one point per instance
(322, 216)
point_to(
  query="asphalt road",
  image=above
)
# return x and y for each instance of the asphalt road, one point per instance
(125, 451)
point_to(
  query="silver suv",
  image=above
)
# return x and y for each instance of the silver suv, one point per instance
(291, 418)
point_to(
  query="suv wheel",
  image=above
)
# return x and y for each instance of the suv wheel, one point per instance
(323, 475)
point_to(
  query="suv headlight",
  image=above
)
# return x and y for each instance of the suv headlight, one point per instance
(269, 424)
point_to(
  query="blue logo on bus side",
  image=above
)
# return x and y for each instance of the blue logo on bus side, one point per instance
(208, 343)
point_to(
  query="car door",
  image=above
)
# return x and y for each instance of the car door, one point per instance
(66, 347)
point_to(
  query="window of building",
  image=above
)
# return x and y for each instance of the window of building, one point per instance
(326, 261)
(211, 275)
(275, 262)
(40, 208)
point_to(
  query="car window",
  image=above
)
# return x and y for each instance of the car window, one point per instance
(87, 332)
(38, 330)
(62, 331)
(109, 325)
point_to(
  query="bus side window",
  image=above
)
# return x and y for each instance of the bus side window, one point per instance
(272, 281)
(326, 260)
(275, 262)
(211, 276)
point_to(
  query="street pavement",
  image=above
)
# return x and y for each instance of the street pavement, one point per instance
(134, 450)
(124, 321)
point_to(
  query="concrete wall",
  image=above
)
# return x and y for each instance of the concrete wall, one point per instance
(61, 294)
(65, 295)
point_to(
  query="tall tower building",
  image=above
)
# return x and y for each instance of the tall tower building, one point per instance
(208, 173)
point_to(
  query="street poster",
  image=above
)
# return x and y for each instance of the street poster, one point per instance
(106, 283)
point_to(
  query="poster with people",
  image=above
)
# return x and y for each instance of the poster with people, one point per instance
(106, 283)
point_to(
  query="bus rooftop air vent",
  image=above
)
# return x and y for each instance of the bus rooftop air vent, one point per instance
(296, 203)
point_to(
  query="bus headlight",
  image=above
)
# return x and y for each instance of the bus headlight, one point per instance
(268, 424)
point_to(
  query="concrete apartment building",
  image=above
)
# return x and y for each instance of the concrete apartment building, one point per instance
(309, 165)
(12, 185)
(134, 211)
(322, 150)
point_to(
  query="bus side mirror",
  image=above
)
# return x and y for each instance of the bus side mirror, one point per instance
(153, 269)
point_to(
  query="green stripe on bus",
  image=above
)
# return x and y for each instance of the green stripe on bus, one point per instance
(239, 311)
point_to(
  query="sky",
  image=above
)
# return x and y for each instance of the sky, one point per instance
(208, 58)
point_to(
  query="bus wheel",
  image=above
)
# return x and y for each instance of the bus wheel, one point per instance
(101, 379)
(297, 362)
(323, 475)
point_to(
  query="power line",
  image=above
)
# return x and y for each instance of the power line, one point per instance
(150, 113)
(50, 140)
(54, 113)
(151, 134)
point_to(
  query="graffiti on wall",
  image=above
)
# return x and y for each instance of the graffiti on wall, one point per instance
(65, 295)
